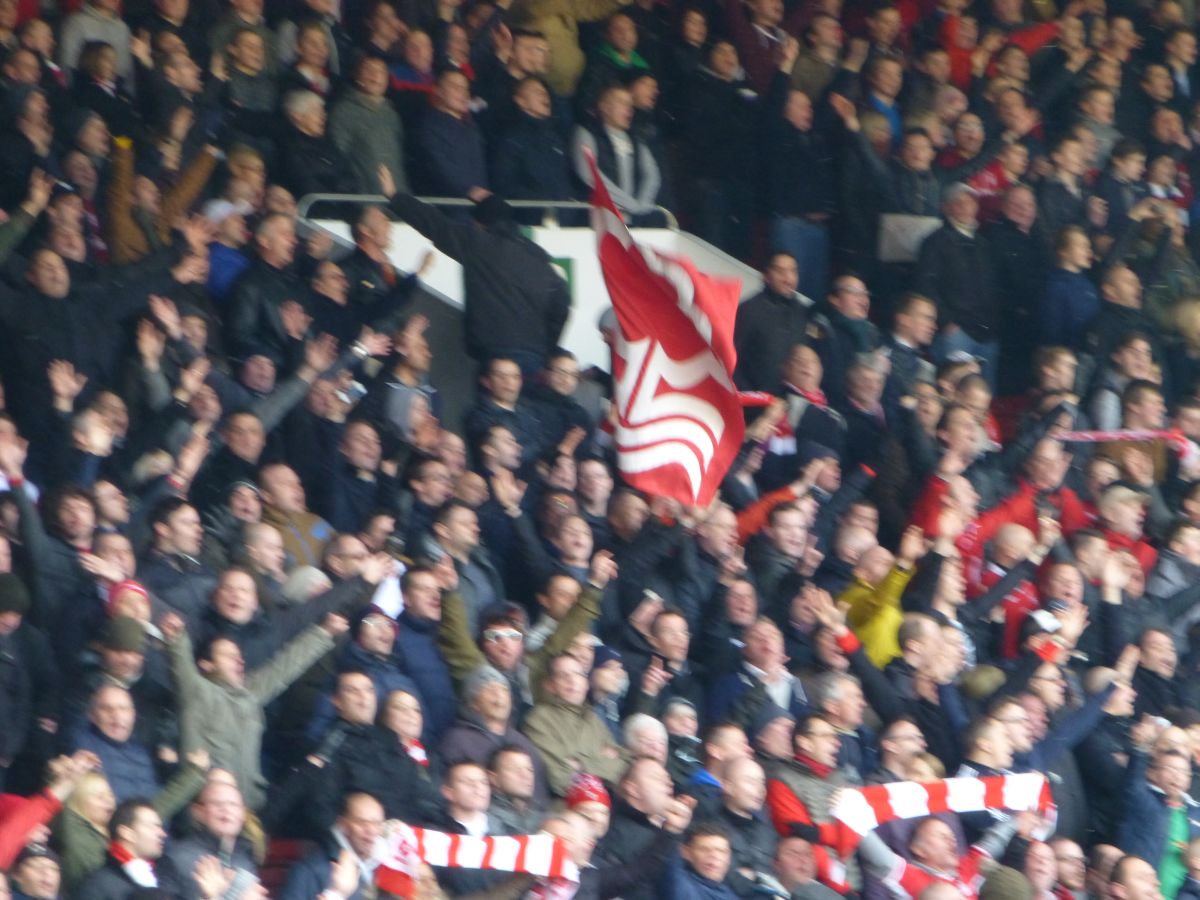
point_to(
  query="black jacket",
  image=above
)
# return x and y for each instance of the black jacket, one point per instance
(313, 165)
(766, 328)
(253, 324)
(107, 883)
(530, 161)
(956, 272)
(515, 300)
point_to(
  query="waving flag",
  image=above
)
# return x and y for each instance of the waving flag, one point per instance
(679, 419)
(543, 855)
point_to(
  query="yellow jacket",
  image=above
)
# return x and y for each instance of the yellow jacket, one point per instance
(875, 614)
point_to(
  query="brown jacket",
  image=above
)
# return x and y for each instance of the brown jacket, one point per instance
(127, 240)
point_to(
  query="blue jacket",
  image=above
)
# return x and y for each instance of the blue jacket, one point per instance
(1070, 303)
(127, 766)
(1143, 828)
(309, 877)
(680, 882)
(418, 657)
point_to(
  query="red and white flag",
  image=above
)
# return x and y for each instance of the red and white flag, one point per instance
(679, 421)
(406, 847)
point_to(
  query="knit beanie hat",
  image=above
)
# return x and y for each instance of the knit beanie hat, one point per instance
(585, 788)
(14, 597)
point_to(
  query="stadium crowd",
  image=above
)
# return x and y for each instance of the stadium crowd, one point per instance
(260, 600)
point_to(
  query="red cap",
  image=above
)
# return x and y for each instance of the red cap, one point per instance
(121, 587)
(587, 788)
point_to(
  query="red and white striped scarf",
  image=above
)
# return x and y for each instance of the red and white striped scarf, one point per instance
(543, 855)
(1185, 447)
(862, 810)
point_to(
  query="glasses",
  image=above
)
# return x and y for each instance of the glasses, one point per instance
(568, 373)
(501, 634)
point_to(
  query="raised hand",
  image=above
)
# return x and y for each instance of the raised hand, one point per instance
(912, 545)
(212, 879)
(294, 319)
(150, 344)
(166, 313)
(41, 185)
(376, 343)
(321, 354)
(335, 625)
(171, 625)
(65, 383)
(387, 184)
(603, 570)
(656, 677)
(845, 110)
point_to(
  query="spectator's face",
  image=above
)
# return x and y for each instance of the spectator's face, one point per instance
(38, 878)
(38, 37)
(460, 531)
(794, 862)
(534, 100)
(764, 646)
(782, 275)
(671, 637)
(503, 645)
(1070, 864)
(277, 242)
(574, 538)
(709, 855)
(1159, 654)
(376, 634)
(236, 598)
(937, 66)
(514, 776)
(362, 824)
(123, 665)
(531, 56)
(454, 94)
(361, 447)
(1182, 47)
(622, 34)
(248, 52)
(281, 488)
(968, 134)
(355, 700)
(569, 681)
(226, 665)
(113, 714)
(48, 275)
(503, 381)
(23, 68)
(741, 603)
(935, 845)
(1172, 774)
(146, 835)
(433, 485)
(884, 26)
(851, 298)
(560, 596)
(423, 597)
(767, 12)
(373, 75)
(418, 51)
(595, 482)
(312, 48)
(616, 109)
(1126, 517)
(1049, 685)
(402, 715)
(745, 786)
(887, 78)
(220, 810)
(821, 742)
(467, 790)
(1138, 881)
(694, 28)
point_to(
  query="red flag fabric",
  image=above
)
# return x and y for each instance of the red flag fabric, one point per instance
(859, 810)
(679, 418)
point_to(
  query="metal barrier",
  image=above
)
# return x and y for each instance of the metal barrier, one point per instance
(550, 206)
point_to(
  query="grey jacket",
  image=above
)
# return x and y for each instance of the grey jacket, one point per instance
(228, 720)
(370, 134)
(89, 24)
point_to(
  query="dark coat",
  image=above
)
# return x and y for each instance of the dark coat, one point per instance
(515, 300)
(955, 271)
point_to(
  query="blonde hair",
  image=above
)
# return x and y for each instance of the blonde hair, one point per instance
(89, 785)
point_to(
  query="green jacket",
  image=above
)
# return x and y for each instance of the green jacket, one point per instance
(84, 847)
(370, 135)
(227, 720)
(463, 656)
(573, 739)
